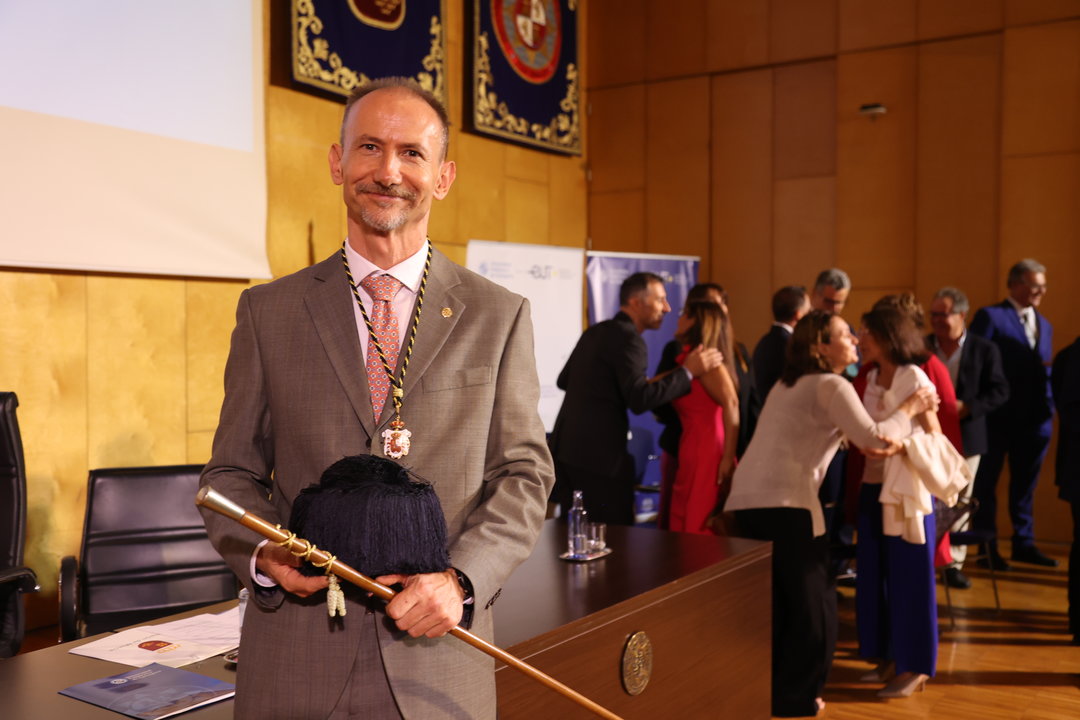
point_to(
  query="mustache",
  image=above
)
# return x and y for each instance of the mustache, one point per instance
(380, 189)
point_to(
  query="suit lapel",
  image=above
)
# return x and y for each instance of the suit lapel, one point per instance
(1016, 328)
(435, 324)
(328, 304)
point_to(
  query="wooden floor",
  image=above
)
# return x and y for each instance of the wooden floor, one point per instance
(1018, 664)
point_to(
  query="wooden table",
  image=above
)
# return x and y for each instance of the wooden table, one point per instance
(703, 601)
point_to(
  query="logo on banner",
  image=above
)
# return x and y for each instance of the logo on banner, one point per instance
(530, 36)
(385, 14)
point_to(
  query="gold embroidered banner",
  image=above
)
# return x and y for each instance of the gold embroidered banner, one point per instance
(338, 45)
(524, 74)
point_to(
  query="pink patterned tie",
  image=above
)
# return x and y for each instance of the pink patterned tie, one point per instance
(382, 289)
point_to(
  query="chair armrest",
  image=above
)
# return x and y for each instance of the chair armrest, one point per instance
(24, 578)
(69, 598)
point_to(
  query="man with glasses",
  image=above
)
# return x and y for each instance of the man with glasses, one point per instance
(1021, 427)
(974, 364)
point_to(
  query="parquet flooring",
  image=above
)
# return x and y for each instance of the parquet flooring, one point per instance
(1018, 664)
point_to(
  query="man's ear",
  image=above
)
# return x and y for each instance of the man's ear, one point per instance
(334, 157)
(447, 173)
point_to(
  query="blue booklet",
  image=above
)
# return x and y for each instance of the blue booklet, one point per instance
(152, 692)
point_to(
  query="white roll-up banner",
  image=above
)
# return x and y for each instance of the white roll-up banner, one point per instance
(551, 278)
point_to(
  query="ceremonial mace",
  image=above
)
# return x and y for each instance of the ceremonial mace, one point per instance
(213, 500)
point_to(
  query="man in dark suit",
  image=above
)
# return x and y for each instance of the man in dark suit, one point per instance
(1065, 378)
(604, 377)
(789, 304)
(300, 396)
(1021, 427)
(974, 364)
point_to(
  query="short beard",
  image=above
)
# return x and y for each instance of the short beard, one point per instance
(376, 219)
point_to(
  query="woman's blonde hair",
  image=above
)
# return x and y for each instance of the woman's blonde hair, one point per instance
(710, 327)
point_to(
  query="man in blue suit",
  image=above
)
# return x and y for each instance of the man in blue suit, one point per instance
(1021, 427)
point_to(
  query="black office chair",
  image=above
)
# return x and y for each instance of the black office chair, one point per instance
(14, 578)
(145, 552)
(947, 517)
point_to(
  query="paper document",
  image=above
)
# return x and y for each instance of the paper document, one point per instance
(175, 643)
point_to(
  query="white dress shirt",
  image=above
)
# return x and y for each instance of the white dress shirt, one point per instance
(1028, 320)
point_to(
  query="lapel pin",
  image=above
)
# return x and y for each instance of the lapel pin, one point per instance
(447, 312)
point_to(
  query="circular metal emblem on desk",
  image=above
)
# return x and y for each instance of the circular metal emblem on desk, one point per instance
(637, 663)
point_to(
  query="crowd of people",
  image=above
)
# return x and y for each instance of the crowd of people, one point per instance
(833, 442)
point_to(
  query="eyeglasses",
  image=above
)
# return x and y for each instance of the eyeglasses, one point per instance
(942, 315)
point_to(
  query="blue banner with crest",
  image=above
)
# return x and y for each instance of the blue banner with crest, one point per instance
(525, 86)
(338, 45)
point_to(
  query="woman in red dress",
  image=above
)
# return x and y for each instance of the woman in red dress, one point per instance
(709, 414)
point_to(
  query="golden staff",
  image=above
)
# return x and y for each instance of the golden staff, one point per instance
(213, 500)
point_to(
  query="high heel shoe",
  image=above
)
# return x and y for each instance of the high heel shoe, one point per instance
(881, 673)
(903, 685)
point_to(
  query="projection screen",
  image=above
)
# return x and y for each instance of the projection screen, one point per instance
(132, 137)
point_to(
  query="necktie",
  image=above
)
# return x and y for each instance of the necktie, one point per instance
(1028, 316)
(382, 289)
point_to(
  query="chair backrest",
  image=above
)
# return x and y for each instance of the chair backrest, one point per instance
(945, 517)
(12, 528)
(145, 551)
(12, 485)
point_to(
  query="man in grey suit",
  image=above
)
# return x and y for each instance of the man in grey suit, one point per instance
(299, 396)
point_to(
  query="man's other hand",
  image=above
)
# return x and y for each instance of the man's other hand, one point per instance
(702, 360)
(280, 565)
(430, 604)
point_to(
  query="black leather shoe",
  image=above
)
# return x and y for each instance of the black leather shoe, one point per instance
(957, 579)
(996, 561)
(1033, 556)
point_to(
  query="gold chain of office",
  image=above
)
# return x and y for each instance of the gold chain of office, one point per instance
(397, 384)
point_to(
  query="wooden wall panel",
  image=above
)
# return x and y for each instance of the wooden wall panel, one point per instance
(1042, 89)
(1021, 12)
(527, 211)
(674, 38)
(615, 34)
(742, 189)
(299, 131)
(210, 308)
(617, 123)
(804, 230)
(136, 365)
(876, 168)
(1040, 218)
(568, 208)
(43, 356)
(872, 23)
(481, 195)
(617, 221)
(737, 34)
(801, 29)
(942, 18)
(677, 167)
(526, 164)
(957, 173)
(804, 125)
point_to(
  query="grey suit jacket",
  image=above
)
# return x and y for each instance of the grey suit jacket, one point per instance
(296, 400)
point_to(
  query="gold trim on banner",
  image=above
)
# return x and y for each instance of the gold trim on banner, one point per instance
(314, 63)
(562, 133)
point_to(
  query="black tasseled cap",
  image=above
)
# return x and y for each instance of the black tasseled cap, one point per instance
(368, 512)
